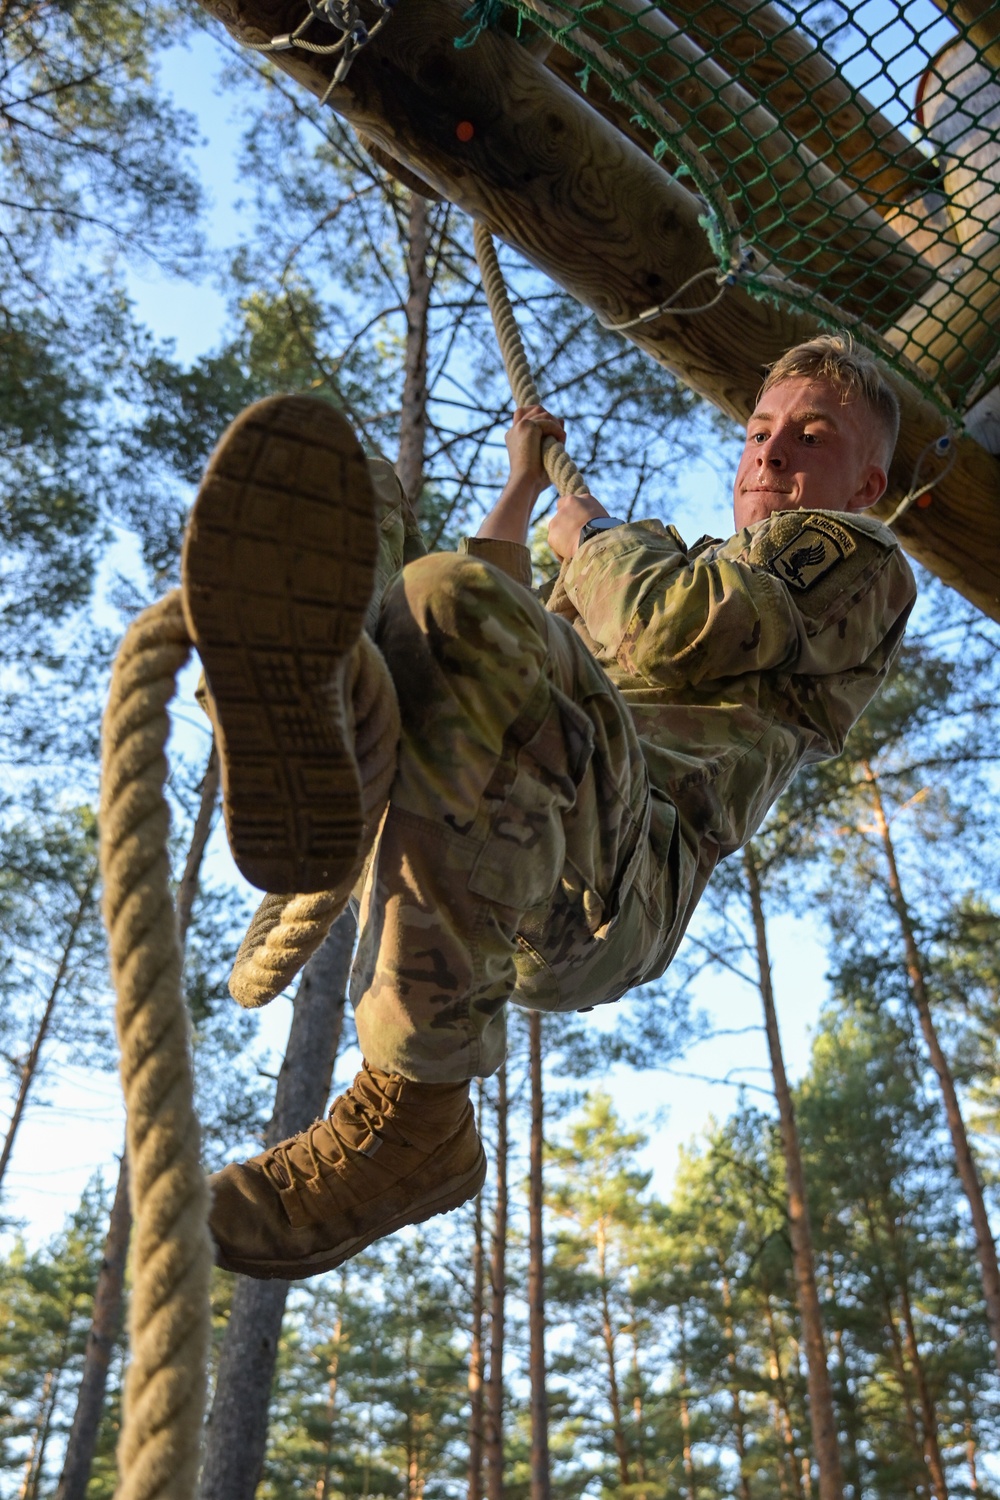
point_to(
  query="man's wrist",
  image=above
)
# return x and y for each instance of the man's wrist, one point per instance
(510, 517)
(597, 525)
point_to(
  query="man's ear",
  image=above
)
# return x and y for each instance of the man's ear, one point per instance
(871, 490)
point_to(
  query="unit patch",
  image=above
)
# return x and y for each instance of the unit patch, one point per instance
(813, 551)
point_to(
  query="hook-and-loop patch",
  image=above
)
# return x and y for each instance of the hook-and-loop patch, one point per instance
(808, 557)
(821, 557)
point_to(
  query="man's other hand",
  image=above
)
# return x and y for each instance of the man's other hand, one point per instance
(510, 517)
(530, 426)
(572, 512)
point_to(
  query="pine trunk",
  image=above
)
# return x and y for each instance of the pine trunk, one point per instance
(236, 1437)
(322, 1488)
(686, 1453)
(902, 1376)
(474, 1489)
(540, 1482)
(784, 1489)
(786, 1427)
(637, 1414)
(40, 1435)
(739, 1425)
(30, 1065)
(494, 1447)
(101, 1340)
(187, 887)
(928, 1411)
(986, 1249)
(413, 413)
(608, 1339)
(849, 1412)
(822, 1416)
(970, 1454)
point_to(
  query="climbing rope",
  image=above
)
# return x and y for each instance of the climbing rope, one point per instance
(284, 933)
(169, 1319)
(558, 465)
(560, 468)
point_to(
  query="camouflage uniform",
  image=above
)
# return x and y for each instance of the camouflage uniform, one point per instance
(566, 789)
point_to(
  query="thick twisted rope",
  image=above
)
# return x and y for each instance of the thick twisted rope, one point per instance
(558, 465)
(169, 1320)
(284, 932)
(560, 468)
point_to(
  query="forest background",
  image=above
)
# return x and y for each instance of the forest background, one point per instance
(183, 232)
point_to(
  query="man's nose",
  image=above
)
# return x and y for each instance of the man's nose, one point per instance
(772, 453)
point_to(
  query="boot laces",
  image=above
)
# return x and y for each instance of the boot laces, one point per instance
(353, 1127)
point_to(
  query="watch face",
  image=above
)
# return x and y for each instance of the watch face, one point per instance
(597, 525)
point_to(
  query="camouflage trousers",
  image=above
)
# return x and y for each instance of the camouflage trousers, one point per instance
(513, 861)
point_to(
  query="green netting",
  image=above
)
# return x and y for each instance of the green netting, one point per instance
(848, 155)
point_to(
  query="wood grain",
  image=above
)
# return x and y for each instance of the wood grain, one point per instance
(980, 20)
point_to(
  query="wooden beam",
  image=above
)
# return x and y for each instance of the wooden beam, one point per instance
(802, 212)
(587, 207)
(804, 89)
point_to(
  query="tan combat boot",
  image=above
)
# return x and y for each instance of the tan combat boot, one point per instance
(389, 1153)
(278, 570)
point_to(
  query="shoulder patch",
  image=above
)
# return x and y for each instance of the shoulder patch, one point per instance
(822, 558)
(809, 555)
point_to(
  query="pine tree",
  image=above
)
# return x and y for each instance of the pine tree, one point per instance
(237, 1427)
(907, 783)
(52, 957)
(889, 1211)
(45, 1298)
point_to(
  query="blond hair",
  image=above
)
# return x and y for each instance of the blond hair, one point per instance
(837, 358)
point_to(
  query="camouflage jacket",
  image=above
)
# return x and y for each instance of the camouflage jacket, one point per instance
(740, 660)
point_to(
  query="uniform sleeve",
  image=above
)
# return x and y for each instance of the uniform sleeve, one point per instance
(510, 557)
(802, 592)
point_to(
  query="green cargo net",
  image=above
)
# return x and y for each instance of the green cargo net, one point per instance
(848, 156)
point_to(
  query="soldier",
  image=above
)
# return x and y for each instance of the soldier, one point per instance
(566, 782)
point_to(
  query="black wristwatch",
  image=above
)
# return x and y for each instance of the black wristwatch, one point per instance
(598, 524)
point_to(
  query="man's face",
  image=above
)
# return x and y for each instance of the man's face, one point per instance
(806, 450)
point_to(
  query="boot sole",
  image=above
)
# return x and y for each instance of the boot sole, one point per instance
(277, 573)
(452, 1195)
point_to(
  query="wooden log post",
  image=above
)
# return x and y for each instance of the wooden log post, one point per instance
(547, 174)
(980, 20)
(951, 330)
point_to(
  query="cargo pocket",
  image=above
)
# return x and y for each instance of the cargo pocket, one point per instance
(523, 855)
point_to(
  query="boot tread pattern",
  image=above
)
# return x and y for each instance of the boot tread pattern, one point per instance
(278, 569)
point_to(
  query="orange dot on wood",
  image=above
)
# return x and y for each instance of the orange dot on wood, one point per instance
(465, 130)
(925, 500)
